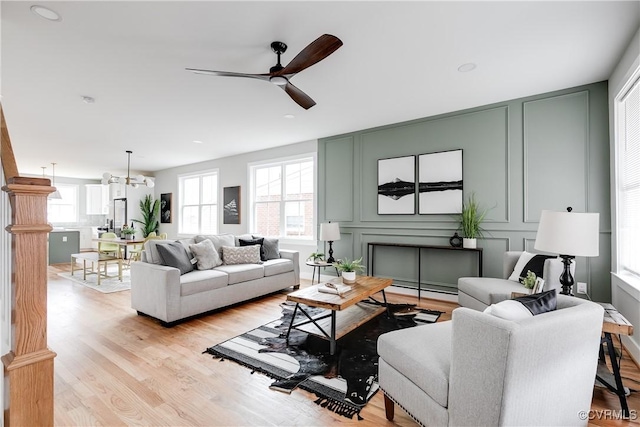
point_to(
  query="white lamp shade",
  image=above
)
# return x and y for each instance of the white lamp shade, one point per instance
(106, 176)
(122, 180)
(330, 231)
(568, 233)
(150, 183)
(140, 178)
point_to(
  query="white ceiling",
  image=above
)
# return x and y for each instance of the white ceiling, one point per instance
(399, 62)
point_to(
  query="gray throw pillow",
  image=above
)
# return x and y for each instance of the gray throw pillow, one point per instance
(206, 255)
(271, 248)
(173, 254)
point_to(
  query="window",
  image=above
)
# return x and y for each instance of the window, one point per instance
(283, 199)
(628, 179)
(66, 208)
(198, 203)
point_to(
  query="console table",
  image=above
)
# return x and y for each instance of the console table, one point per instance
(372, 246)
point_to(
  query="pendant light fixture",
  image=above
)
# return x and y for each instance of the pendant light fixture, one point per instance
(108, 178)
(55, 194)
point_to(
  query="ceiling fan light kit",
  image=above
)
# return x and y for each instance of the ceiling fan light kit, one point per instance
(315, 52)
(135, 182)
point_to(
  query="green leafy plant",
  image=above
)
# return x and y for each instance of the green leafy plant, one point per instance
(316, 256)
(150, 210)
(127, 231)
(471, 217)
(530, 280)
(347, 265)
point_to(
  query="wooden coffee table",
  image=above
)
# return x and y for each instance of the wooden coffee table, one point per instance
(345, 313)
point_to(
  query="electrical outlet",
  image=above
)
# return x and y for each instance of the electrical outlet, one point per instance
(582, 288)
(64, 238)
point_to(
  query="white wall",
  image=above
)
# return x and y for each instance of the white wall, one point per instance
(233, 171)
(625, 294)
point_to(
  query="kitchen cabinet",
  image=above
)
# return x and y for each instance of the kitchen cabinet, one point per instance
(97, 199)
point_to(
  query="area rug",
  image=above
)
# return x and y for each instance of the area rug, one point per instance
(109, 285)
(344, 382)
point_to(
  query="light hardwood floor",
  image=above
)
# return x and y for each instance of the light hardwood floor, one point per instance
(116, 368)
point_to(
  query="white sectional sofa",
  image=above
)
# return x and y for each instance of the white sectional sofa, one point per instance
(160, 291)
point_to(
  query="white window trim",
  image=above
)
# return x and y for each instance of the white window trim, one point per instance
(177, 214)
(277, 162)
(76, 203)
(626, 276)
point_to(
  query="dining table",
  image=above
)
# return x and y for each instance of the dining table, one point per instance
(120, 241)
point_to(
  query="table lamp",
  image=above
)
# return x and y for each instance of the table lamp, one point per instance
(568, 234)
(330, 232)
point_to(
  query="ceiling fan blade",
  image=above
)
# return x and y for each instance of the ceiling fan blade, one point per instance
(229, 74)
(315, 52)
(301, 98)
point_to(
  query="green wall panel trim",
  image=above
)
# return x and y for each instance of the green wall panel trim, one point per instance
(556, 154)
(514, 159)
(338, 188)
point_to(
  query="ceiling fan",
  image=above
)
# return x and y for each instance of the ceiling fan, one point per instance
(315, 52)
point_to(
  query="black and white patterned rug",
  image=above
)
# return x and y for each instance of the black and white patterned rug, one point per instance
(344, 382)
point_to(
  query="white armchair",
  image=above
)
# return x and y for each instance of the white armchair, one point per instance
(480, 292)
(482, 370)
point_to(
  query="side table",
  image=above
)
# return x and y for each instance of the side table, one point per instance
(316, 267)
(613, 323)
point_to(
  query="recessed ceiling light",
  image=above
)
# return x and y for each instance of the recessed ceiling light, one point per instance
(465, 68)
(289, 116)
(197, 142)
(45, 13)
(88, 100)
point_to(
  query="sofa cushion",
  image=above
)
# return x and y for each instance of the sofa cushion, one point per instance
(271, 248)
(508, 310)
(243, 236)
(429, 370)
(218, 240)
(232, 255)
(524, 307)
(257, 241)
(242, 272)
(529, 262)
(277, 266)
(173, 254)
(206, 255)
(186, 243)
(489, 290)
(201, 281)
(152, 255)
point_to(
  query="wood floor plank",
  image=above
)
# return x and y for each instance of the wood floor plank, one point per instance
(117, 368)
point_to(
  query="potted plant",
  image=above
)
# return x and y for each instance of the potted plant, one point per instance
(316, 257)
(127, 232)
(150, 211)
(470, 219)
(349, 269)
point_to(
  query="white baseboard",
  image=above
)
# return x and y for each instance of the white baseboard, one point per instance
(423, 294)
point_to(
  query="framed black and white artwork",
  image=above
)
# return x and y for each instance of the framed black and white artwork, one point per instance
(165, 208)
(231, 208)
(440, 182)
(397, 186)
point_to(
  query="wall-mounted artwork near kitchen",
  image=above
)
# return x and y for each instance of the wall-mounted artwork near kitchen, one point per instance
(440, 182)
(397, 186)
(231, 209)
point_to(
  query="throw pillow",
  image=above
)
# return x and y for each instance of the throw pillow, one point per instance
(529, 262)
(150, 248)
(524, 307)
(206, 255)
(249, 242)
(539, 303)
(241, 255)
(508, 310)
(173, 254)
(271, 248)
(218, 240)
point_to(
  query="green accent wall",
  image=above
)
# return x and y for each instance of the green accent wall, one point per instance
(547, 151)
